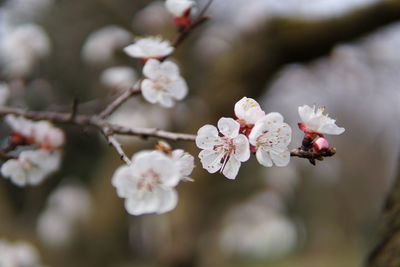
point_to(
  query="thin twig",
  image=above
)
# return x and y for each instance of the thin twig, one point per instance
(117, 146)
(135, 89)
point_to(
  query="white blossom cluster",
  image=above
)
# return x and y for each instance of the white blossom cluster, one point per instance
(18, 254)
(162, 82)
(148, 183)
(266, 135)
(32, 166)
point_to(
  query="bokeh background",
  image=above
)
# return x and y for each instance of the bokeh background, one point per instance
(342, 54)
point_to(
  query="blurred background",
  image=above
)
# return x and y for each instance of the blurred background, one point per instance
(342, 54)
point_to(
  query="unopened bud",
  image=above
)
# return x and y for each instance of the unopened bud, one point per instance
(320, 144)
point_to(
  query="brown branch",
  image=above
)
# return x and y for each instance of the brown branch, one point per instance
(312, 155)
(135, 89)
(117, 146)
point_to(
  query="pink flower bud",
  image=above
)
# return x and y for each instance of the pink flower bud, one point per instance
(320, 144)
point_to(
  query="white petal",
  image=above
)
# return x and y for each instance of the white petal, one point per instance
(263, 158)
(211, 160)
(274, 117)
(178, 89)
(306, 113)
(281, 158)
(124, 181)
(166, 100)
(152, 68)
(331, 129)
(169, 69)
(12, 168)
(207, 137)
(231, 168)
(168, 200)
(242, 148)
(228, 127)
(148, 91)
(165, 167)
(249, 110)
(178, 7)
(147, 203)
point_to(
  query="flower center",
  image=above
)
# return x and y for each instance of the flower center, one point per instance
(161, 83)
(148, 180)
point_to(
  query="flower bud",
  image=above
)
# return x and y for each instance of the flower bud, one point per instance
(320, 144)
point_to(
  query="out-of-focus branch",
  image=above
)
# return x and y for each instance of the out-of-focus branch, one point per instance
(255, 59)
(386, 252)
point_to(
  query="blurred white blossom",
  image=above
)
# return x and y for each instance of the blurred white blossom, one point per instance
(184, 162)
(147, 185)
(18, 254)
(101, 45)
(119, 78)
(257, 228)
(68, 206)
(149, 47)
(41, 133)
(21, 48)
(4, 93)
(31, 167)
(224, 152)
(179, 7)
(271, 137)
(163, 83)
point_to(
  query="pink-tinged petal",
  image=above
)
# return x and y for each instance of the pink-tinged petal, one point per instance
(211, 160)
(306, 112)
(168, 199)
(148, 91)
(249, 110)
(228, 127)
(263, 157)
(281, 158)
(332, 129)
(207, 137)
(152, 68)
(242, 148)
(231, 168)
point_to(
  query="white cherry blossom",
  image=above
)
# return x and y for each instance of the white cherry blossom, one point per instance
(270, 137)
(315, 121)
(148, 183)
(178, 7)
(31, 167)
(43, 133)
(248, 110)
(149, 47)
(163, 83)
(18, 254)
(224, 152)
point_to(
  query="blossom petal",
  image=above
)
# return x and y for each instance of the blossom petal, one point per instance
(281, 158)
(166, 100)
(228, 127)
(231, 168)
(168, 69)
(124, 182)
(168, 199)
(148, 91)
(242, 148)
(12, 169)
(306, 112)
(211, 160)
(249, 110)
(332, 129)
(178, 88)
(263, 157)
(207, 137)
(148, 203)
(151, 68)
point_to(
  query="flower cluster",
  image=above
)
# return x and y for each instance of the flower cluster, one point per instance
(43, 158)
(148, 183)
(18, 254)
(315, 124)
(162, 81)
(253, 131)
